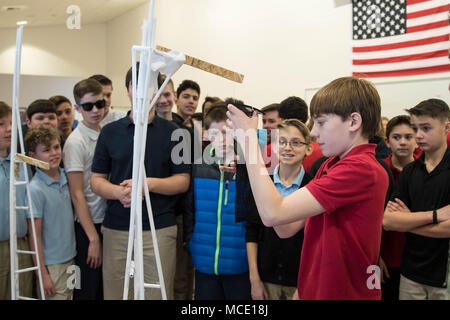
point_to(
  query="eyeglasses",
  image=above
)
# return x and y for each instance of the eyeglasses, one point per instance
(88, 106)
(292, 143)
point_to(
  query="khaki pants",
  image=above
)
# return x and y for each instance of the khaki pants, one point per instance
(60, 273)
(279, 292)
(115, 245)
(25, 261)
(184, 274)
(410, 290)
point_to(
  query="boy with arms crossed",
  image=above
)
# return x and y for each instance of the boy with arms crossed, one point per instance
(400, 139)
(343, 205)
(421, 206)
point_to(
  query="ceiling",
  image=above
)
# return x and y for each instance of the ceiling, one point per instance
(40, 13)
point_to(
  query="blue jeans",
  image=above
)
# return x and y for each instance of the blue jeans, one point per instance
(222, 287)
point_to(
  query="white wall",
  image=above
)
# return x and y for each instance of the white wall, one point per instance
(56, 51)
(282, 47)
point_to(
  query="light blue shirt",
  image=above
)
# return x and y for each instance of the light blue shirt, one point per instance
(21, 221)
(281, 187)
(51, 202)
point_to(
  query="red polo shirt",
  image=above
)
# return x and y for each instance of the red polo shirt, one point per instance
(341, 243)
(392, 242)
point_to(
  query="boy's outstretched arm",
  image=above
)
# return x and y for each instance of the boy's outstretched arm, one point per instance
(272, 207)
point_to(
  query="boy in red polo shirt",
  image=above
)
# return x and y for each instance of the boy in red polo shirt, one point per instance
(400, 139)
(343, 205)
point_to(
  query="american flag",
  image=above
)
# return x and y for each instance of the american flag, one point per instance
(400, 37)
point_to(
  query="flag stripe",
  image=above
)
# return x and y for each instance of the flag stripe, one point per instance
(412, 7)
(427, 12)
(402, 65)
(443, 16)
(427, 26)
(408, 72)
(411, 2)
(410, 57)
(403, 51)
(401, 38)
(405, 44)
(422, 47)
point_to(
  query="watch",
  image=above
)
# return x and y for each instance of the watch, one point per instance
(435, 220)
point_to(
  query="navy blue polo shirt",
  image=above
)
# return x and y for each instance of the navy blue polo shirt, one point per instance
(114, 156)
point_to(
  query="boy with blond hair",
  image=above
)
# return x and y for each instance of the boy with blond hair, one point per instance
(274, 262)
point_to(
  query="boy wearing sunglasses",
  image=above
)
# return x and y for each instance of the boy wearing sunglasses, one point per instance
(90, 208)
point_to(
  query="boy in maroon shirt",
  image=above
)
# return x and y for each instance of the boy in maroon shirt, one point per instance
(343, 206)
(400, 139)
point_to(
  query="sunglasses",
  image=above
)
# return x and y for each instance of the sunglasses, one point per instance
(89, 105)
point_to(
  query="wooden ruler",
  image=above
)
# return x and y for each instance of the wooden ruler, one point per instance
(209, 67)
(33, 161)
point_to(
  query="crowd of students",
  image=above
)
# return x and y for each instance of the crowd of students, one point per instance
(305, 214)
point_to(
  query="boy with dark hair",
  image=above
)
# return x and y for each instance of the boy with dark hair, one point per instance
(41, 111)
(216, 242)
(184, 274)
(26, 278)
(343, 205)
(400, 138)
(53, 214)
(294, 108)
(421, 206)
(271, 118)
(207, 104)
(64, 114)
(89, 207)
(107, 86)
(111, 179)
(188, 94)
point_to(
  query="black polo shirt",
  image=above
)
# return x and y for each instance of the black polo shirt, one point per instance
(114, 156)
(425, 259)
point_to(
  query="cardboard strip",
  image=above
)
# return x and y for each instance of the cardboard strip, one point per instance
(35, 162)
(209, 67)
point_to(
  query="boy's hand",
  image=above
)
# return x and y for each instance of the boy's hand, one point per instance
(232, 166)
(295, 295)
(397, 205)
(94, 257)
(259, 292)
(239, 120)
(124, 194)
(187, 122)
(383, 270)
(49, 288)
